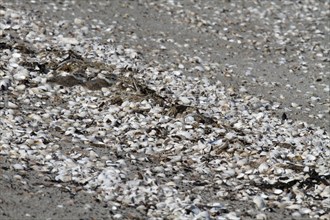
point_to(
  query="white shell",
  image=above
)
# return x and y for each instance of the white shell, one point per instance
(259, 202)
(184, 100)
(263, 168)
(18, 166)
(278, 191)
(68, 40)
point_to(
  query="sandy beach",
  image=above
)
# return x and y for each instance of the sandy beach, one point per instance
(276, 51)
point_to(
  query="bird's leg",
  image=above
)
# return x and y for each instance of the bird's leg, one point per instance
(6, 99)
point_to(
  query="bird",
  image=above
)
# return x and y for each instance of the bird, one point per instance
(5, 83)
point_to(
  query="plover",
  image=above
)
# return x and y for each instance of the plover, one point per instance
(4, 86)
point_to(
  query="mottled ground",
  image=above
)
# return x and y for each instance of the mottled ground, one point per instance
(236, 46)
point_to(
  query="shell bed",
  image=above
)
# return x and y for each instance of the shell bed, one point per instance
(94, 117)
